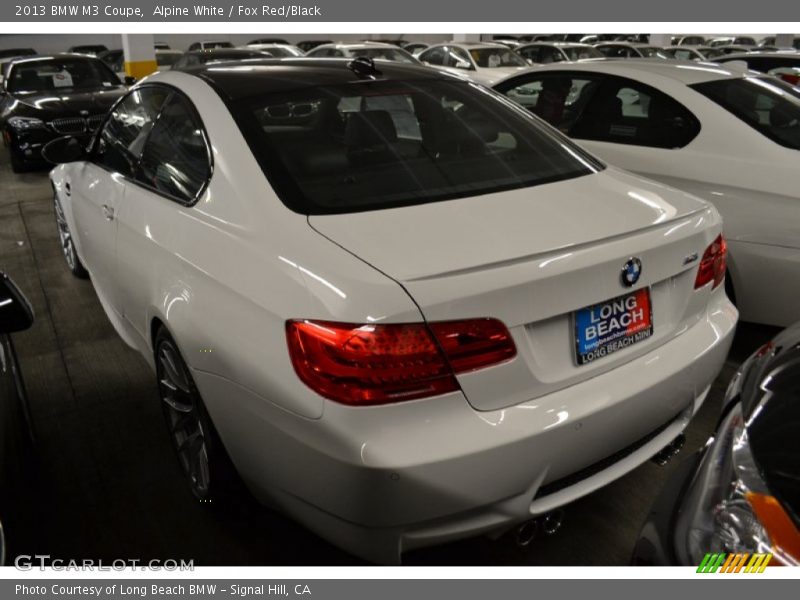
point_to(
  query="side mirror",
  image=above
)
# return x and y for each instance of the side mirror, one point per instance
(129, 80)
(16, 313)
(462, 64)
(65, 149)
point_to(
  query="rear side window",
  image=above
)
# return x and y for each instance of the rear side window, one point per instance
(606, 109)
(768, 105)
(175, 160)
(373, 145)
(123, 135)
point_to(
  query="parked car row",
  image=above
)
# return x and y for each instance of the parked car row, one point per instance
(353, 336)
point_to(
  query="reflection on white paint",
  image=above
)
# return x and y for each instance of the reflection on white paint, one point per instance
(561, 416)
(659, 207)
(546, 262)
(314, 276)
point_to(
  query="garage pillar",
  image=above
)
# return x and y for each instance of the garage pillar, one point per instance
(466, 37)
(784, 40)
(140, 56)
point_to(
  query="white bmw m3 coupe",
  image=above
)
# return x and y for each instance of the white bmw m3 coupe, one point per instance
(403, 308)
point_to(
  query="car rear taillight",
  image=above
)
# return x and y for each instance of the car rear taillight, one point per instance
(365, 365)
(790, 78)
(713, 264)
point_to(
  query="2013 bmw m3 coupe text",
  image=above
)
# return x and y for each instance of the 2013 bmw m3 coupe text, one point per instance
(405, 309)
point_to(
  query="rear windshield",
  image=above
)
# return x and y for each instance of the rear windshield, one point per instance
(60, 75)
(582, 52)
(373, 145)
(768, 105)
(488, 58)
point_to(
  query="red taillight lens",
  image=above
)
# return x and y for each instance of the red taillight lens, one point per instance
(365, 365)
(473, 344)
(713, 264)
(790, 78)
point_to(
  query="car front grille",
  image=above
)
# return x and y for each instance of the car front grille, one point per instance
(76, 125)
(94, 121)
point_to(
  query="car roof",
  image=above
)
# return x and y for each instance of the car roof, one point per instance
(358, 45)
(472, 45)
(559, 44)
(684, 71)
(286, 74)
(224, 51)
(744, 55)
(43, 57)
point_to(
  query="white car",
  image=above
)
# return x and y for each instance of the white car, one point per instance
(400, 337)
(542, 53)
(277, 50)
(481, 62)
(373, 50)
(630, 50)
(726, 135)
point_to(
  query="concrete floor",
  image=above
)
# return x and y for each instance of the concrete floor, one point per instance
(109, 485)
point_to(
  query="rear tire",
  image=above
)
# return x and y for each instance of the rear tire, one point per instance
(201, 455)
(67, 244)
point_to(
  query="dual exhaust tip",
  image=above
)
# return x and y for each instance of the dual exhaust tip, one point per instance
(547, 524)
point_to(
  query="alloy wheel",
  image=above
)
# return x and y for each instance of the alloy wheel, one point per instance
(182, 410)
(64, 235)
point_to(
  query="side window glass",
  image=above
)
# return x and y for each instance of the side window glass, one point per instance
(628, 112)
(120, 142)
(434, 56)
(558, 99)
(532, 54)
(175, 158)
(458, 58)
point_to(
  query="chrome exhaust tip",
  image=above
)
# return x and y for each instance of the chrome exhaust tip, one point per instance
(552, 521)
(525, 533)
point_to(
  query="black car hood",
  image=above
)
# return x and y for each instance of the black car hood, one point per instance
(771, 405)
(54, 104)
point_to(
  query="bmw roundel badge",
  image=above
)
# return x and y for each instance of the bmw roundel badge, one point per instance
(631, 272)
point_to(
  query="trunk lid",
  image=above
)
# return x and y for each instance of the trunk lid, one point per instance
(531, 258)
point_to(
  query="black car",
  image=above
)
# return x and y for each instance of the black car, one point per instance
(14, 52)
(46, 97)
(15, 439)
(197, 58)
(741, 492)
(88, 49)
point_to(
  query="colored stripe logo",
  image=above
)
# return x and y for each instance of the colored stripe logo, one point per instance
(741, 562)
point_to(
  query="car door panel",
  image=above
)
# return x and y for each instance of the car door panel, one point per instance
(95, 195)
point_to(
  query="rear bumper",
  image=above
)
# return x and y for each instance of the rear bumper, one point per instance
(381, 481)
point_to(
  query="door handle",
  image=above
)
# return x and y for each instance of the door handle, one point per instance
(108, 212)
(67, 189)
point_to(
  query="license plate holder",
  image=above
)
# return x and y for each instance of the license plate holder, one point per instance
(612, 325)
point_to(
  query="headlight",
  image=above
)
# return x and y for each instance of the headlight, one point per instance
(728, 507)
(25, 123)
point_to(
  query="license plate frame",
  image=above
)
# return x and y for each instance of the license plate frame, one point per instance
(612, 337)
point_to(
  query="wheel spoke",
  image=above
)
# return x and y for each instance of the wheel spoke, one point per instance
(192, 444)
(184, 422)
(172, 371)
(176, 399)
